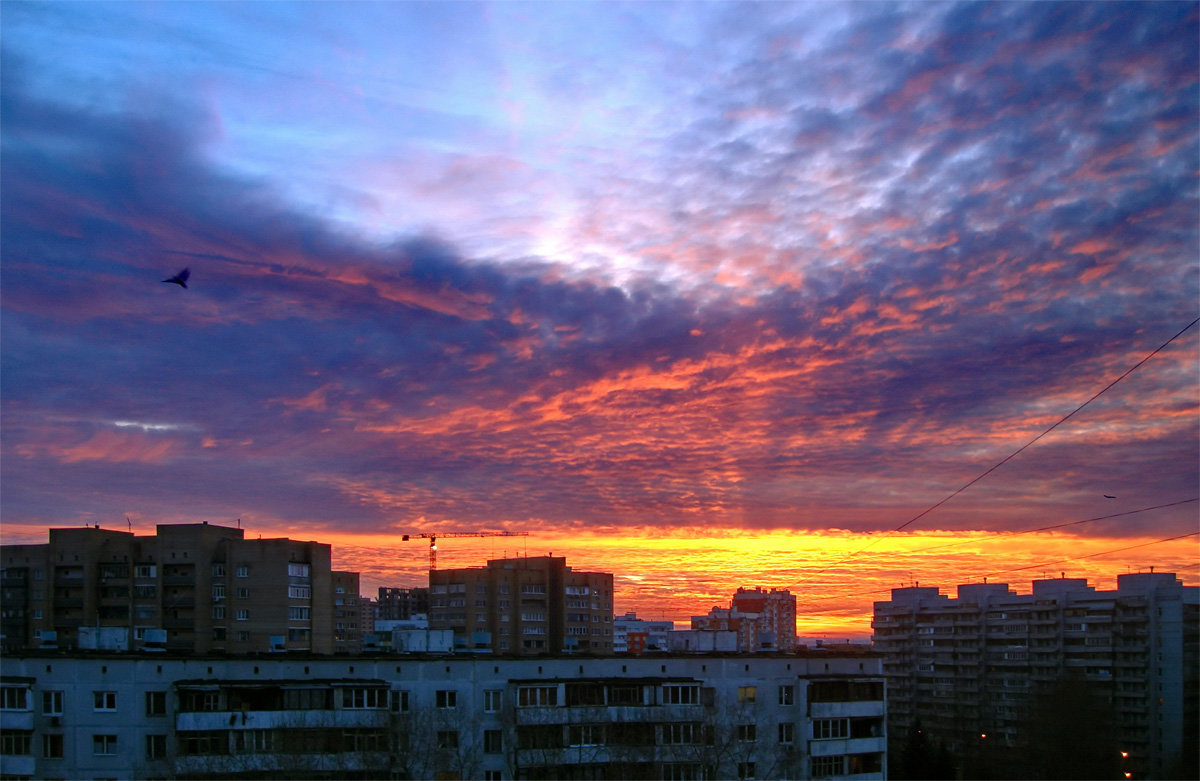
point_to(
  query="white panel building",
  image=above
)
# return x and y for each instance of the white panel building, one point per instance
(662, 717)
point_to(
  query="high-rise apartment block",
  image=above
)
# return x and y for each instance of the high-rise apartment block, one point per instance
(533, 605)
(764, 620)
(968, 669)
(193, 588)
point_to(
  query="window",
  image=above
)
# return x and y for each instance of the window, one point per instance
(493, 742)
(243, 614)
(243, 637)
(104, 744)
(52, 703)
(681, 694)
(360, 698)
(218, 570)
(15, 743)
(823, 767)
(243, 571)
(145, 571)
(156, 746)
(492, 699)
(493, 775)
(15, 698)
(747, 693)
(787, 695)
(399, 701)
(529, 696)
(243, 593)
(297, 635)
(745, 770)
(830, 729)
(447, 738)
(747, 733)
(585, 735)
(298, 570)
(787, 732)
(682, 771)
(299, 613)
(299, 592)
(52, 746)
(218, 591)
(104, 701)
(156, 703)
(680, 734)
(447, 698)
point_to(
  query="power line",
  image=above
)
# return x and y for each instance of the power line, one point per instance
(1010, 456)
(1004, 534)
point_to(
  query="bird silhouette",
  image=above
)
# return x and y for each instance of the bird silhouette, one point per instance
(1108, 496)
(180, 279)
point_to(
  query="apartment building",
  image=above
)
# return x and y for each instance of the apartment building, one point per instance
(633, 635)
(347, 612)
(763, 620)
(662, 717)
(535, 605)
(401, 604)
(196, 588)
(969, 669)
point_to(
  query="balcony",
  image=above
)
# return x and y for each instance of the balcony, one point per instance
(179, 580)
(294, 719)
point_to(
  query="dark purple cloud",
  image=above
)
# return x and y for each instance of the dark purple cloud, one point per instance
(894, 258)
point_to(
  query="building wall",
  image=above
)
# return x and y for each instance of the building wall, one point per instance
(524, 606)
(660, 717)
(205, 585)
(971, 666)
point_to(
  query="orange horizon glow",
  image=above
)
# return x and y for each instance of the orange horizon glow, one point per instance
(836, 576)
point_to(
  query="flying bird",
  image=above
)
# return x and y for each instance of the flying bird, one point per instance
(180, 279)
(1107, 496)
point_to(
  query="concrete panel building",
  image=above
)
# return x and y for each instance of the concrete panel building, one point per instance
(659, 717)
(968, 669)
(535, 605)
(206, 586)
(763, 620)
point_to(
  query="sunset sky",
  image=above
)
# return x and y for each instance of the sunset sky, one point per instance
(704, 295)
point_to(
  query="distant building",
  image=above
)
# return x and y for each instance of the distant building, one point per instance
(970, 667)
(205, 588)
(635, 635)
(399, 604)
(347, 614)
(659, 717)
(763, 620)
(701, 641)
(535, 605)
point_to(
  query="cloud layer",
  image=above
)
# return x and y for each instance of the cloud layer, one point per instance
(776, 266)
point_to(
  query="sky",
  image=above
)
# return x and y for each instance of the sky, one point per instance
(704, 295)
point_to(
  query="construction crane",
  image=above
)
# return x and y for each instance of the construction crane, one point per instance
(433, 540)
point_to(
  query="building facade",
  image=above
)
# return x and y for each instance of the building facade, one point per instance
(633, 635)
(199, 588)
(969, 670)
(535, 605)
(763, 620)
(138, 716)
(401, 604)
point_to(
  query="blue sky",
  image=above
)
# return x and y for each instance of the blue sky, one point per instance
(597, 265)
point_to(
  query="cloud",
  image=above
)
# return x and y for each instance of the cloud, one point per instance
(874, 256)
